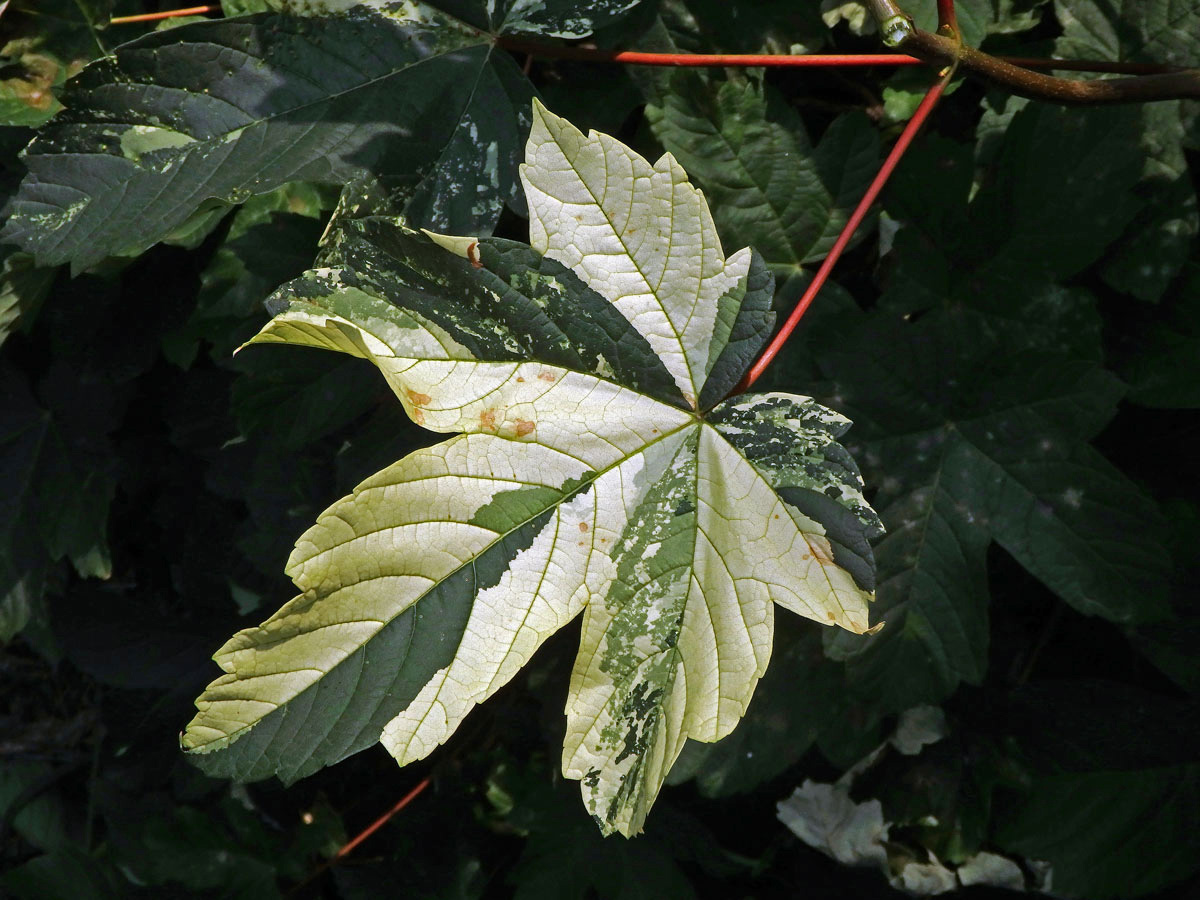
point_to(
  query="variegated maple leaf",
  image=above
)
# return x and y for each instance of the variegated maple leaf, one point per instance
(593, 470)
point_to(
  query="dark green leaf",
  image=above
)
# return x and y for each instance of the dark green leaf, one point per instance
(1035, 314)
(58, 485)
(930, 188)
(1162, 370)
(1070, 518)
(271, 239)
(129, 640)
(1109, 834)
(243, 7)
(979, 18)
(1017, 15)
(565, 859)
(1039, 215)
(31, 807)
(1171, 646)
(67, 874)
(225, 109)
(968, 447)
(760, 26)
(1165, 31)
(1159, 241)
(180, 848)
(1095, 725)
(932, 595)
(297, 398)
(748, 333)
(23, 287)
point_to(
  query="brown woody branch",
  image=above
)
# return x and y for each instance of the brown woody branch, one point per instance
(946, 48)
(1026, 83)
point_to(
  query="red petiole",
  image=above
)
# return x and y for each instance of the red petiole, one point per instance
(860, 212)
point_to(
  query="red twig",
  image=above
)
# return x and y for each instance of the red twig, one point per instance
(408, 798)
(169, 14)
(779, 60)
(703, 60)
(946, 16)
(349, 846)
(860, 212)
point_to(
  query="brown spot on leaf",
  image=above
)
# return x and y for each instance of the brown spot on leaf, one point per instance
(472, 255)
(487, 420)
(548, 376)
(524, 426)
(519, 378)
(583, 526)
(417, 400)
(822, 552)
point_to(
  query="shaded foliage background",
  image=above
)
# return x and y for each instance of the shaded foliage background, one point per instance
(1015, 336)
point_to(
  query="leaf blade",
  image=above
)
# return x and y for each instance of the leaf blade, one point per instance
(664, 282)
(226, 109)
(599, 488)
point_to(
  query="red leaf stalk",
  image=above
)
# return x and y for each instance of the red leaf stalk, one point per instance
(169, 14)
(701, 60)
(776, 60)
(408, 798)
(946, 17)
(860, 212)
(349, 846)
(783, 60)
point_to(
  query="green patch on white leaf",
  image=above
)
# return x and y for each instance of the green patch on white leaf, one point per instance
(581, 479)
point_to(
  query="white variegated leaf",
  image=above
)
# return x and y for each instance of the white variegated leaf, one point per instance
(592, 471)
(639, 234)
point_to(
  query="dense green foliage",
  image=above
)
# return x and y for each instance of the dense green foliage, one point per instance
(1014, 334)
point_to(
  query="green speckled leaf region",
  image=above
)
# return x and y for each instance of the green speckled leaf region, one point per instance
(586, 475)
